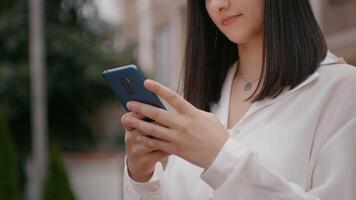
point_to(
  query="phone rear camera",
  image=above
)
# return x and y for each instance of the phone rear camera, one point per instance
(125, 82)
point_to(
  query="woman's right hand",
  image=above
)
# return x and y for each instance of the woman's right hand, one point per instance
(141, 160)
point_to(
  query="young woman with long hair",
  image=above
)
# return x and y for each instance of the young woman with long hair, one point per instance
(267, 112)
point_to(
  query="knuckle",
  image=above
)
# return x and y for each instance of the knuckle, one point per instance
(158, 145)
(151, 128)
(152, 144)
(183, 126)
(173, 98)
(155, 113)
(123, 121)
(130, 113)
(138, 115)
(183, 129)
(180, 123)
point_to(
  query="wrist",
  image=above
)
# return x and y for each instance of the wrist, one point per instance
(214, 152)
(139, 176)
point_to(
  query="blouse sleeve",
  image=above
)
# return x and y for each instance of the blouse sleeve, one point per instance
(236, 173)
(150, 190)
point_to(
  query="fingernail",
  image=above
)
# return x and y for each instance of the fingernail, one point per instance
(130, 105)
(148, 83)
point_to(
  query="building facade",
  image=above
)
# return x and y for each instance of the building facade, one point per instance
(158, 29)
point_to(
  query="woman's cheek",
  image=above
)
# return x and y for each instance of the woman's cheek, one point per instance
(243, 33)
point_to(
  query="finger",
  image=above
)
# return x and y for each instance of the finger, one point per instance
(151, 129)
(130, 137)
(133, 114)
(157, 144)
(175, 100)
(159, 115)
(140, 149)
(156, 156)
(136, 115)
(127, 125)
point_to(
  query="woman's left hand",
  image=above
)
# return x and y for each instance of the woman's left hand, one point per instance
(192, 134)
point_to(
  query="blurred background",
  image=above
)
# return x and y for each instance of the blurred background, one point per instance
(60, 131)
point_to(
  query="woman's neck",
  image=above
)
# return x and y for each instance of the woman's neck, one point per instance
(250, 58)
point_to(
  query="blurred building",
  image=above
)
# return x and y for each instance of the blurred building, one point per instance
(338, 22)
(158, 29)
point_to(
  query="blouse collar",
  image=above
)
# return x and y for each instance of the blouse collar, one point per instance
(221, 109)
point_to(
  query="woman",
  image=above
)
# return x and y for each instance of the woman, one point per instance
(269, 113)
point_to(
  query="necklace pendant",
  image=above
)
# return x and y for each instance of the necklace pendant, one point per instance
(248, 86)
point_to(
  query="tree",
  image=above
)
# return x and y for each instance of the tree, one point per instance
(79, 47)
(57, 186)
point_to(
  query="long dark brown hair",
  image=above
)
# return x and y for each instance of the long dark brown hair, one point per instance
(293, 48)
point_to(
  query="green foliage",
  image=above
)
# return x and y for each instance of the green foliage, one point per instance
(14, 80)
(9, 188)
(57, 186)
(78, 48)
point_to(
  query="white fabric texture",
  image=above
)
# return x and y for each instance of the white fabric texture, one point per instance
(299, 145)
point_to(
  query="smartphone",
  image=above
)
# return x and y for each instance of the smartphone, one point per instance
(127, 84)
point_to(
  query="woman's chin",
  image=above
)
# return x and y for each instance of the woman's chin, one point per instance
(241, 38)
(238, 40)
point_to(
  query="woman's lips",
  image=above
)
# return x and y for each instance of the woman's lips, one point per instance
(231, 19)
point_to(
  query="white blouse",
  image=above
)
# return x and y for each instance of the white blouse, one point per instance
(299, 145)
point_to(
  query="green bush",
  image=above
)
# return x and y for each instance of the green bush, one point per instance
(57, 186)
(9, 188)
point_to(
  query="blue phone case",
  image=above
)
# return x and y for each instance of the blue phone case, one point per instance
(127, 84)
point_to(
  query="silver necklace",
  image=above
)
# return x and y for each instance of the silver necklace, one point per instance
(248, 84)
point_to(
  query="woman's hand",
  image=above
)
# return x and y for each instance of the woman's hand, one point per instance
(140, 159)
(192, 134)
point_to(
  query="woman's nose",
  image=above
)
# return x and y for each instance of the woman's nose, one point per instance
(219, 5)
